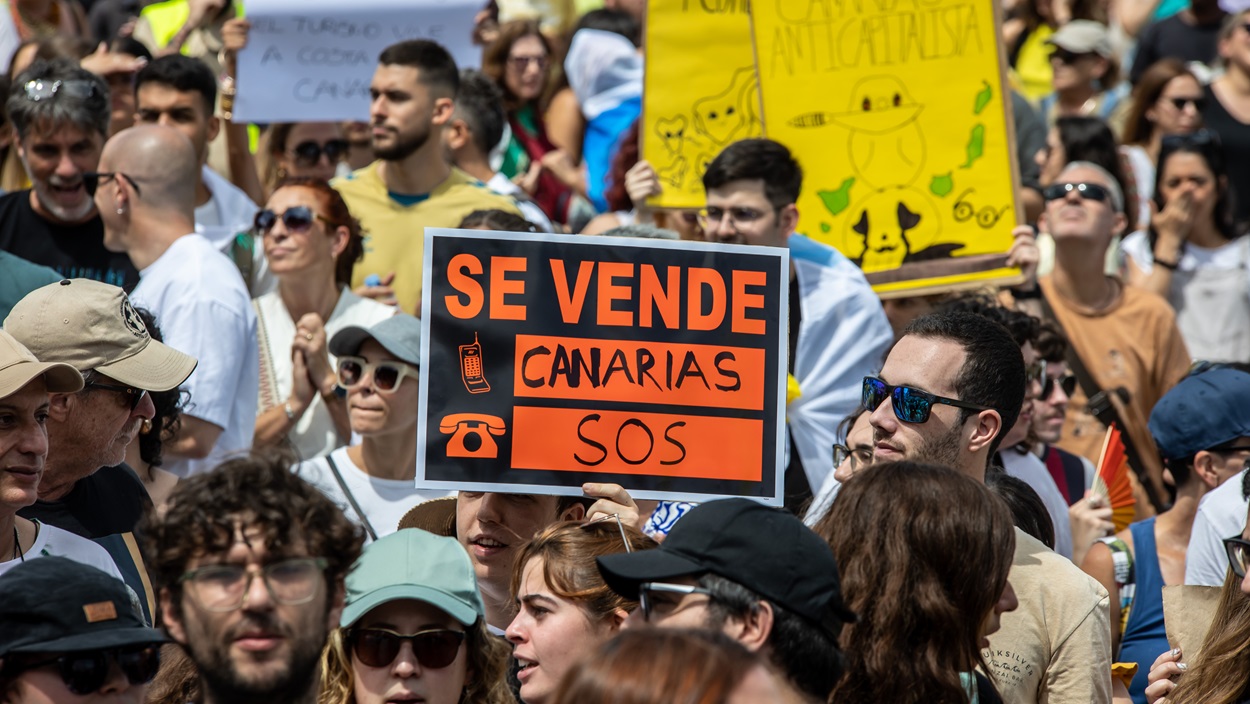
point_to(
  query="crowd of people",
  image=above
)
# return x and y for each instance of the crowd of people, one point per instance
(209, 392)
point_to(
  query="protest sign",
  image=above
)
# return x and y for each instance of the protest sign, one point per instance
(699, 92)
(309, 60)
(554, 360)
(897, 112)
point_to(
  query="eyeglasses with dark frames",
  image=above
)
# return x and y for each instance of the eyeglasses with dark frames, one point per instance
(91, 180)
(134, 396)
(1238, 551)
(647, 604)
(85, 672)
(378, 647)
(858, 457)
(911, 405)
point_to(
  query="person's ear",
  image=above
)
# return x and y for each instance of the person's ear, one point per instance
(443, 109)
(1204, 467)
(214, 127)
(171, 616)
(1120, 223)
(576, 512)
(616, 619)
(988, 423)
(61, 405)
(342, 236)
(756, 626)
(457, 134)
(788, 219)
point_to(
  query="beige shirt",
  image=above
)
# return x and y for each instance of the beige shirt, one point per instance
(1056, 646)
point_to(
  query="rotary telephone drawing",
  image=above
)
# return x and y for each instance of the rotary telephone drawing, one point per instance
(471, 434)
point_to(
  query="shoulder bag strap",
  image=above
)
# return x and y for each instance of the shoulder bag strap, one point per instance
(1083, 376)
(373, 535)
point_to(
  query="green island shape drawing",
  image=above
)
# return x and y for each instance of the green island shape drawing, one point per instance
(942, 185)
(976, 145)
(983, 98)
(837, 200)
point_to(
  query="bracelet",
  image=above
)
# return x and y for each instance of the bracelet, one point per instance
(290, 412)
(1166, 264)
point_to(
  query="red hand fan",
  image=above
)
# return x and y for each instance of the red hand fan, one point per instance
(1112, 480)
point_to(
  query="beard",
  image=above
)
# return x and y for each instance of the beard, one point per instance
(60, 212)
(942, 450)
(404, 145)
(222, 679)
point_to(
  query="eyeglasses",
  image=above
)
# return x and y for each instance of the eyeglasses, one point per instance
(91, 180)
(647, 603)
(43, 89)
(859, 457)
(1230, 448)
(620, 526)
(1036, 373)
(1179, 103)
(1087, 191)
(386, 375)
(86, 672)
(224, 588)
(737, 215)
(378, 647)
(296, 219)
(1069, 57)
(134, 396)
(1237, 550)
(309, 153)
(911, 405)
(520, 63)
(1067, 382)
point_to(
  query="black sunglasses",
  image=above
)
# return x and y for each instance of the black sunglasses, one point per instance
(1066, 382)
(296, 219)
(378, 647)
(134, 396)
(911, 405)
(1087, 191)
(309, 153)
(1237, 550)
(86, 672)
(91, 180)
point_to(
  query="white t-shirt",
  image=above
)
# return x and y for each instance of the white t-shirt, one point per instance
(52, 541)
(383, 501)
(1221, 514)
(203, 309)
(228, 212)
(314, 435)
(1032, 471)
(1193, 258)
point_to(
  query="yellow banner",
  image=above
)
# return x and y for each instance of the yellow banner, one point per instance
(699, 92)
(895, 110)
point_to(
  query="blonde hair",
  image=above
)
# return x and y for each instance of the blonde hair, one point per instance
(485, 683)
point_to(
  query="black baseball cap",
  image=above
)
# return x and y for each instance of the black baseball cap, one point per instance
(763, 549)
(53, 604)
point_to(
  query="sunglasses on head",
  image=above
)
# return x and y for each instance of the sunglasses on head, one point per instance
(309, 153)
(911, 405)
(1087, 191)
(43, 89)
(86, 672)
(386, 375)
(295, 219)
(378, 647)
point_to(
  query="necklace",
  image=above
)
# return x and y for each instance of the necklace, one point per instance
(17, 546)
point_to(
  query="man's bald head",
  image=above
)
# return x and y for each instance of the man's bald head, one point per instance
(161, 160)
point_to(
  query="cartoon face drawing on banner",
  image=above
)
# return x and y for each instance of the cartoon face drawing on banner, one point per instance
(730, 114)
(894, 225)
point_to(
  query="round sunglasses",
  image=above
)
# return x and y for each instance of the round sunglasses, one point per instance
(911, 405)
(86, 672)
(378, 647)
(296, 219)
(386, 375)
(309, 153)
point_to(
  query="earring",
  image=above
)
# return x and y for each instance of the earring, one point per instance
(121, 211)
(146, 426)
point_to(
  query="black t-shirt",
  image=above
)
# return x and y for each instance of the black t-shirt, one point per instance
(1175, 38)
(74, 251)
(1235, 136)
(798, 491)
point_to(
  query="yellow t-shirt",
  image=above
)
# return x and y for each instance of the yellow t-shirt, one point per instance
(394, 228)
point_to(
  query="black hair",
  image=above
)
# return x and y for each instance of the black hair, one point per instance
(435, 66)
(1052, 345)
(1027, 510)
(184, 74)
(480, 104)
(615, 21)
(993, 374)
(88, 112)
(1207, 145)
(130, 45)
(1086, 138)
(167, 405)
(1022, 326)
(807, 655)
(500, 220)
(758, 159)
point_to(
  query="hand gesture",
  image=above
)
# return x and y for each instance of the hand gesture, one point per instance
(310, 339)
(1025, 254)
(105, 63)
(1091, 520)
(1175, 221)
(1162, 678)
(613, 499)
(641, 183)
(302, 389)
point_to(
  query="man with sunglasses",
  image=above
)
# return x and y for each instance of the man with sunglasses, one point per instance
(754, 572)
(838, 329)
(86, 487)
(1073, 474)
(249, 560)
(146, 195)
(1124, 336)
(69, 631)
(181, 92)
(949, 391)
(60, 113)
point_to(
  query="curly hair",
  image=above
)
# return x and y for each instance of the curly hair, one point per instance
(337, 212)
(203, 511)
(167, 418)
(922, 578)
(568, 551)
(487, 681)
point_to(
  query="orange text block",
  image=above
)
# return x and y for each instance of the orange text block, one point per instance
(640, 372)
(658, 444)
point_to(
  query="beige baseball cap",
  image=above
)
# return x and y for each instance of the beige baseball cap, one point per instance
(92, 325)
(18, 367)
